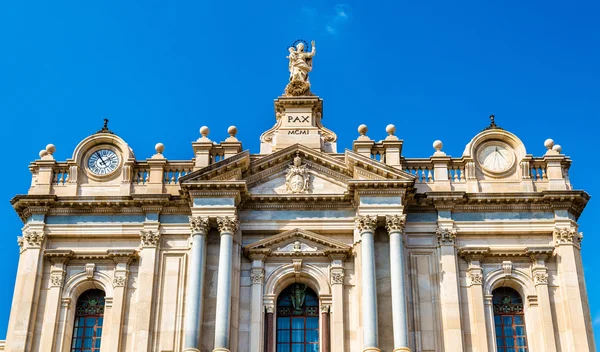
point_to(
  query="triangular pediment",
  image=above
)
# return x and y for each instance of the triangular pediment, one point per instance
(297, 242)
(230, 169)
(365, 168)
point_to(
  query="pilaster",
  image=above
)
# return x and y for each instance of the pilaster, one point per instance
(257, 278)
(579, 336)
(147, 274)
(53, 298)
(114, 324)
(539, 272)
(27, 286)
(336, 311)
(477, 317)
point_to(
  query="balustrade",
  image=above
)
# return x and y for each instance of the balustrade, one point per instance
(60, 174)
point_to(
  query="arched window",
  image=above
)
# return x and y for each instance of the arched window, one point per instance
(298, 320)
(509, 320)
(89, 316)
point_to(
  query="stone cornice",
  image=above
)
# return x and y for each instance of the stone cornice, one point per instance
(573, 201)
(110, 254)
(473, 253)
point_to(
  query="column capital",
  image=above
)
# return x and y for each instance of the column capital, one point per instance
(325, 308)
(198, 224)
(32, 239)
(540, 276)
(395, 223)
(257, 276)
(337, 276)
(568, 236)
(475, 276)
(365, 223)
(227, 224)
(149, 239)
(270, 308)
(446, 236)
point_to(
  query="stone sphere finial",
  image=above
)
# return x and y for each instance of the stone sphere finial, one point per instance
(204, 131)
(549, 143)
(232, 130)
(362, 129)
(50, 148)
(557, 148)
(160, 148)
(390, 129)
(437, 145)
(43, 153)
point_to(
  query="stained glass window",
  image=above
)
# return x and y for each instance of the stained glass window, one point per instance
(298, 320)
(509, 320)
(89, 316)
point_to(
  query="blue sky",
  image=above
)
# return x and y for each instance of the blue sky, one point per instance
(161, 69)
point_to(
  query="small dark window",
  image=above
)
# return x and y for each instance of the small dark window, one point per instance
(89, 316)
(298, 320)
(509, 320)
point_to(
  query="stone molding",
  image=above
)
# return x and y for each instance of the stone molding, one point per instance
(198, 224)
(395, 223)
(366, 223)
(149, 238)
(446, 236)
(227, 224)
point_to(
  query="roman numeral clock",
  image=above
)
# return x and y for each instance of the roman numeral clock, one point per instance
(102, 161)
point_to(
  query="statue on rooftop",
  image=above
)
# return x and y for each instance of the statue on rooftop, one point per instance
(300, 65)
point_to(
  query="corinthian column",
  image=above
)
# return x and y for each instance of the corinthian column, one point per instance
(193, 305)
(366, 227)
(227, 228)
(395, 226)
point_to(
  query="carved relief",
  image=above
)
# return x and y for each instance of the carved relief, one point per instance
(475, 278)
(540, 278)
(56, 279)
(297, 247)
(227, 224)
(365, 223)
(89, 270)
(297, 178)
(395, 223)
(21, 243)
(149, 238)
(446, 235)
(119, 280)
(34, 239)
(270, 308)
(257, 276)
(198, 224)
(568, 235)
(337, 278)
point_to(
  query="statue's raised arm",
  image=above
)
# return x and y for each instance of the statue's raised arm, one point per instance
(314, 49)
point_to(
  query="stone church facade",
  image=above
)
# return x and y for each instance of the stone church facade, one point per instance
(301, 247)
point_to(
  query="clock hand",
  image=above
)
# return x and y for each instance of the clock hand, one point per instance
(101, 160)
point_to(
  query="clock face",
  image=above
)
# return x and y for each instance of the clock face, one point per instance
(103, 162)
(496, 158)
